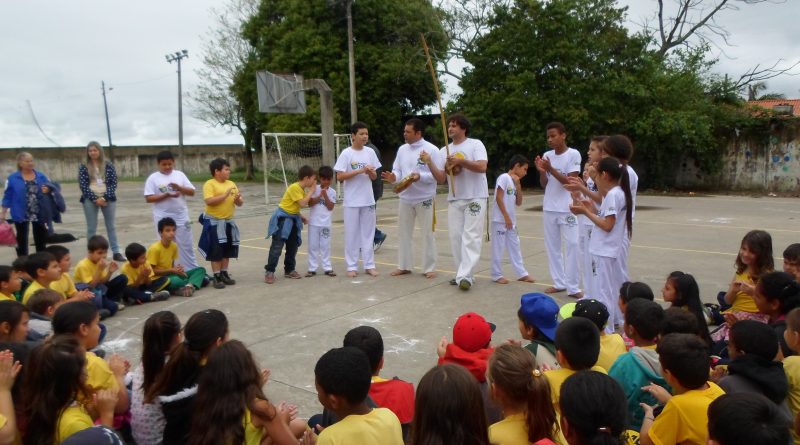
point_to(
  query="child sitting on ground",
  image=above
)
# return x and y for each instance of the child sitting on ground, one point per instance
(629, 292)
(538, 320)
(162, 256)
(14, 319)
(678, 321)
(791, 260)
(43, 268)
(24, 277)
(776, 294)
(640, 366)
(611, 345)
(94, 273)
(319, 224)
(746, 418)
(10, 283)
(681, 291)
(143, 285)
(343, 380)
(286, 225)
(685, 364)
(791, 364)
(64, 285)
(592, 408)
(42, 305)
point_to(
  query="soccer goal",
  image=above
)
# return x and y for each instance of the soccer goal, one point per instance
(282, 154)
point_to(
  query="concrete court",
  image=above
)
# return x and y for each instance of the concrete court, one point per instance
(289, 324)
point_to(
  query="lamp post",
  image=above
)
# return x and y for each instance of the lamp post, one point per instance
(351, 62)
(177, 57)
(108, 125)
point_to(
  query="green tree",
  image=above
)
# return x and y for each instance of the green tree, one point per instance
(310, 38)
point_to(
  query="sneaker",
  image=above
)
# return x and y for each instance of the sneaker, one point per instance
(269, 277)
(206, 281)
(219, 283)
(104, 313)
(160, 295)
(120, 307)
(464, 284)
(227, 278)
(119, 257)
(293, 275)
(379, 242)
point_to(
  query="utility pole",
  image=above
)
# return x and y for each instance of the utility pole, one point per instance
(108, 125)
(351, 62)
(177, 57)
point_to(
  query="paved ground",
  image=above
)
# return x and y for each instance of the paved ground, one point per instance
(289, 324)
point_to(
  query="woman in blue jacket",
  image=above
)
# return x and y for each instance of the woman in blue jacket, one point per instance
(97, 179)
(25, 196)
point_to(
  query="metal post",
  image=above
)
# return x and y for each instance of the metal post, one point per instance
(108, 125)
(177, 57)
(351, 62)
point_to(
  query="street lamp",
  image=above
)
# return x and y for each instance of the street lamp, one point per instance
(177, 57)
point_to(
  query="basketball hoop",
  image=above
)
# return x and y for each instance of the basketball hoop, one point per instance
(280, 93)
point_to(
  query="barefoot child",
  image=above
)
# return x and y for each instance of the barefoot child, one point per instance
(507, 197)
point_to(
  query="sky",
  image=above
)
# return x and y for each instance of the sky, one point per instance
(55, 55)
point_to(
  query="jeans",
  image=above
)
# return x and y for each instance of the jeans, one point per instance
(39, 236)
(90, 211)
(276, 248)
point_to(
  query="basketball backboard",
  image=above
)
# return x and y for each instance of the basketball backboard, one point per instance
(280, 93)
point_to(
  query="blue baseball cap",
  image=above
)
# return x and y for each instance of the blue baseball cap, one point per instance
(541, 311)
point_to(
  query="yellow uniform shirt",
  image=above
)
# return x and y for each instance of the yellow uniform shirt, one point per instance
(64, 285)
(85, 270)
(98, 374)
(378, 426)
(684, 419)
(611, 347)
(4, 297)
(510, 431)
(225, 209)
(744, 302)
(74, 419)
(161, 257)
(791, 366)
(252, 434)
(556, 378)
(33, 287)
(133, 272)
(289, 201)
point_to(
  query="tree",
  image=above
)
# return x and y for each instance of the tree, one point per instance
(310, 38)
(225, 52)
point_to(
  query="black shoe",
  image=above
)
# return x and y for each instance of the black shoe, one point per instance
(119, 257)
(227, 278)
(104, 313)
(218, 282)
(453, 282)
(206, 281)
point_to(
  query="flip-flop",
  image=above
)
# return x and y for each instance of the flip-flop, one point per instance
(398, 272)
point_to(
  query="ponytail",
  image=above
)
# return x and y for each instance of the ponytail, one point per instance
(618, 171)
(688, 293)
(160, 330)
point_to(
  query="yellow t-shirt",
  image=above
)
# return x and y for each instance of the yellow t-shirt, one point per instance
(611, 347)
(133, 272)
(85, 270)
(378, 426)
(685, 417)
(225, 209)
(289, 201)
(743, 302)
(556, 378)
(74, 419)
(33, 287)
(510, 431)
(162, 257)
(64, 285)
(4, 297)
(791, 366)
(98, 374)
(252, 434)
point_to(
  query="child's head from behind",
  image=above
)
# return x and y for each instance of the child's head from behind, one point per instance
(592, 310)
(306, 176)
(136, 254)
(577, 343)
(42, 266)
(791, 260)
(220, 169)
(777, 293)
(9, 281)
(14, 318)
(684, 359)
(538, 317)
(585, 421)
(472, 332)
(62, 256)
(516, 383)
(643, 320)
(97, 248)
(161, 333)
(750, 337)
(368, 340)
(343, 377)
(166, 229)
(448, 408)
(80, 319)
(166, 162)
(325, 175)
(755, 253)
(746, 418)
(679, 321)
(619, 146)
(630, 291)
(45, 302)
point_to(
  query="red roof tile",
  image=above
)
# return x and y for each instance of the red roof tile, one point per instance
(769, 104)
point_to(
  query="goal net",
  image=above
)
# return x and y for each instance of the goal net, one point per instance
(284, 153)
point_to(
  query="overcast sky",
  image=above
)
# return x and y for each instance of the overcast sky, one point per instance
(55, 54)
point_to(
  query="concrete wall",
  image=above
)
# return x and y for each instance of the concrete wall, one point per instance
(766, 163)
(61, 163)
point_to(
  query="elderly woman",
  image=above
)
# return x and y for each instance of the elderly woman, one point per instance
(25, 197)
(98, 182)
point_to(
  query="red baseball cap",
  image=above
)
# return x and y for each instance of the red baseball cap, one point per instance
(472, 332)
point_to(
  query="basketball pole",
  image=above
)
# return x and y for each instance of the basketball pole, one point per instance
(441, 111)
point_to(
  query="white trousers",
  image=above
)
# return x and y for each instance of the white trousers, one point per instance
(359, 233)
(408, 215)
(564, 269)
(319, 248)
(465, 218)
(587, 274)
(623, 259)
(506, 239)
(608, 279)
(185, 242)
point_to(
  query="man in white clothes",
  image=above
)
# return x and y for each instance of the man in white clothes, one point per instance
(416, 202)
(555, 167)
(356, 168)
(165, 189)
(466, 212)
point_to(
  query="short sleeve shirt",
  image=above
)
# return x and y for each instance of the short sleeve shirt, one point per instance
(33, 287)
(291, 197)
(133, 272)
(506, 186)
(556, 197)
(98, 374)
(85, 270)
(609, 244)
(611, 347)
(64, 285)
(358, 189)
(468, 184)
(162, 257)
(320, 216)
(743, 301)
(158, 183)
(513, 430)
(225, 209)
(378, 426)
(72, 420)
(685, 417)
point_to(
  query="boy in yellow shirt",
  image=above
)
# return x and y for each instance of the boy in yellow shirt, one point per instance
(162, 256)
(9, 283)
(44, 269)
(95, 273)
(219, 241)
(64, 285)
(286, 225)
(143, 285)
(611, 345)
(685, 364)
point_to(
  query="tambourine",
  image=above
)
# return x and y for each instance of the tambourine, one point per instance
(404, 184)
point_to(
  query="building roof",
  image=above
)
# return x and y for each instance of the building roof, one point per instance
(770, 104)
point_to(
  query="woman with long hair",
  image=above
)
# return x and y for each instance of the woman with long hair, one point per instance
(97, 179)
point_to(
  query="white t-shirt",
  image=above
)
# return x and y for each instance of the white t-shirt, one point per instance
(320, 215)
(556, 197)
(158, 183)
(609, 244)
(583, 219)
(358, 189)
(406, 162)
(468, 184)
(505, 185)
(633, 179)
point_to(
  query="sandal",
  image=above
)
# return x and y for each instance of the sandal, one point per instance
(310, 274)
(330, 273)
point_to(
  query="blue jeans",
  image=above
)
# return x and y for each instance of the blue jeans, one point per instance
(276, 248)
(90, 211)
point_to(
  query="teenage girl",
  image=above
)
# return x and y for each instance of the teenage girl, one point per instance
(231, 406)
(777, 293)
(523, 394)
(584, 420)
(176, 386)
(14, 318)
(449, 409)
(162, 332)
(55, 393)
(682, 291)
(614, 223)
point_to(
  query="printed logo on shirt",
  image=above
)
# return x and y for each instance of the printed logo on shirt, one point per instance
(357, 165)
(501, 232)
(474, 208)
(427, 204)
(420, 162)
(571, 220)
(165, 188)
(326, 232)
(511, 192)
